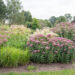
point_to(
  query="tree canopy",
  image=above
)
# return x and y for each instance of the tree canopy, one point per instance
(2, 10)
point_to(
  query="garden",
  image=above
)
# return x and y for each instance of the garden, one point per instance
(32, 41)
(27, 50)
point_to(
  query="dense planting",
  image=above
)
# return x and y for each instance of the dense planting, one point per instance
(18, 36)
(44, 46)
(14, 52)
(12, 57)
(46, 49)
(17, 29)
(3, 37)
(66, 30)
(44, 31)
(17, 40)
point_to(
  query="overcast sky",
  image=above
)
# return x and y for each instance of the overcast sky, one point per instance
(43, 9)
(46, 8)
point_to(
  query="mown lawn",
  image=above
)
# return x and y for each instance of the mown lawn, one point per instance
(63, 72)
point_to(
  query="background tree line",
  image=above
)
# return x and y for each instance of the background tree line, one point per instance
(12, 10)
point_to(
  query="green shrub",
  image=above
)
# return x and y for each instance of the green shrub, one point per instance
(34, 24)
(12, 57)
(46, 49)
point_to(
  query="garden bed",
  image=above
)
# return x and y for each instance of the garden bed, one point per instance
(39, 68)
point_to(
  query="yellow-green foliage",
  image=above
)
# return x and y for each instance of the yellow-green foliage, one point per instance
(12, 57)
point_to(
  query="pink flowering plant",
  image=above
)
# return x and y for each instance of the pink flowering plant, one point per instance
(3, 37)
(66, 30)
(45, 49)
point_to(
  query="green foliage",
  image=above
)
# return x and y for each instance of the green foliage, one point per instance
(22, 17)
(53, 20)
(17, 40)
(68, 17)
(60, 19)
(28, 16)
(34, 24)
(2, 10)
(45, 49)
(29, 24)
(65, 72)
(13, 8)
(30, 67)
(19, 18)
(18, 36)
(15, 14)
(44, 23)
(74, 18)
(3, 37)
(12, 57)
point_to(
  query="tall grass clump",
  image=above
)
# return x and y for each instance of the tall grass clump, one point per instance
(13, 57)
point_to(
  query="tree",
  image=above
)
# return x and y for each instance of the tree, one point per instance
(44, 23)
(68, 17)
(73, 18)
(2, 10)
(22, 17)
(13, 8)
(28, 16)
(60, 19)
(34, 24)
(47, 22)
(19, 18)
(53, 20)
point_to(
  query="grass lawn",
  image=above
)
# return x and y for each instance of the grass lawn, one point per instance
(63, 72)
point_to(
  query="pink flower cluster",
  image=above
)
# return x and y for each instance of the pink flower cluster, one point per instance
(3, 37)
(65, 29)
(2, 40)
(60, 42)
(44, 43)
(46, 49)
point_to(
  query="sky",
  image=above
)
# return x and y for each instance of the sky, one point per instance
(44, 9)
